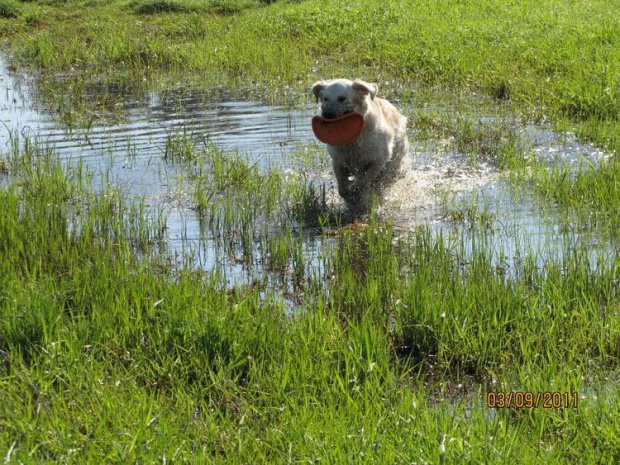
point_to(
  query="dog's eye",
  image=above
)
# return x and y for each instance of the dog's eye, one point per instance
(341, 99)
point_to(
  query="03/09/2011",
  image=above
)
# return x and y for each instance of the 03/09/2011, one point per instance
(525, 399)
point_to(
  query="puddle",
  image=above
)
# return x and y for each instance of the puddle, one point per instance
(130, 154)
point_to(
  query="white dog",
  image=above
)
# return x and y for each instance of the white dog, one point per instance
(373, 160)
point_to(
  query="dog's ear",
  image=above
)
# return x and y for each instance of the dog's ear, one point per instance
(317, 88)
(365, 88)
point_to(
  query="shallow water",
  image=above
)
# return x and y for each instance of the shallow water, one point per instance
(128, 152)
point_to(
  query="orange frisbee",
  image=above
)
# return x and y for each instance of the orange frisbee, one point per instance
(338, 131)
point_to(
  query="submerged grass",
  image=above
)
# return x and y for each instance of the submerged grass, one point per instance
(592, 192)
(494, 140)
(109, 351)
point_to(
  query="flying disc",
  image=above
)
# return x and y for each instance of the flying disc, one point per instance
(338, 131)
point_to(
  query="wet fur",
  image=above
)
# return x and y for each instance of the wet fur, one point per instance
(373, 161)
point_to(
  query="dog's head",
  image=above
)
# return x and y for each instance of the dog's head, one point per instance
(342, 96)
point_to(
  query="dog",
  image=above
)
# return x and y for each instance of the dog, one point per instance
(373, 161)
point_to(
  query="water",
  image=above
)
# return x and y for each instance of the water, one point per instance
(132, 149)
(127, 151)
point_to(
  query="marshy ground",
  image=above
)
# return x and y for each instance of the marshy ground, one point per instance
(178, 278)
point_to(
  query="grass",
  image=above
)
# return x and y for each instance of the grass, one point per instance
(9, 9)
(162, 6)
(379, 346)
(495, 140)
(592, 192)
(110, 350)
(151, 7)
(552, 58)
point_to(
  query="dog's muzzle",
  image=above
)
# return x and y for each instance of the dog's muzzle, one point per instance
(332, 110)
(328, 114)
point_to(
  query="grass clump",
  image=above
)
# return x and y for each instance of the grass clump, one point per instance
(591, 191)
(9, 9)
(225, 7)
(150, 7)
(496, 140)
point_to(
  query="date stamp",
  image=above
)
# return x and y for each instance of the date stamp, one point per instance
(524, 399)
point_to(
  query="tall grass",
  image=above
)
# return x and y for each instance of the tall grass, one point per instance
(109, 351)
(590, 194)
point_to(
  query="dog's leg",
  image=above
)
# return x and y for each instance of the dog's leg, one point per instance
(356, 195)
(355, 186)
(369, 173)
(393, 169)
(343, 178)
